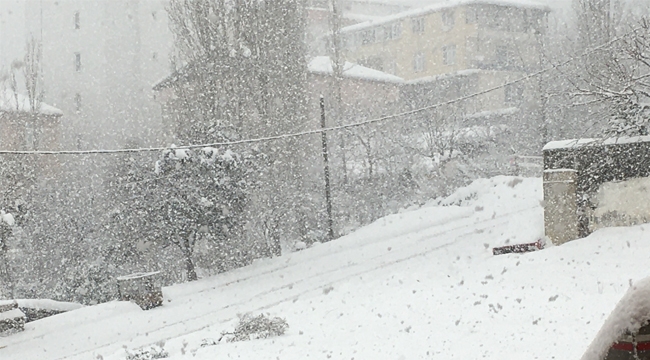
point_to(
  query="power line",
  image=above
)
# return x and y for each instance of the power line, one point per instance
(329, 129)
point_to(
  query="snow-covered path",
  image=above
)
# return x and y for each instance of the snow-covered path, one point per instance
(420, 284)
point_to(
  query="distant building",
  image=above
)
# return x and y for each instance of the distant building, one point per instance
(99, 61)
(26, 127)
(451, 49)
(444, 38)
(365, 92)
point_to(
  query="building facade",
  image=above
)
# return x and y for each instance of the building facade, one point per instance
(483, 43)
(445, 38)
(447, 51)
(99, 59)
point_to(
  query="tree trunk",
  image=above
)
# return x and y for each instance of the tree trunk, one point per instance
(5, 274)
(276, 249)
(189, 263)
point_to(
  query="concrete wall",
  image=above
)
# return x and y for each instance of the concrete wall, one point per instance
(560, 205)
(606, 170)
(621, 203)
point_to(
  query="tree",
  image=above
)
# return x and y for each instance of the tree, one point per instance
(620, 85)
(32, 63)
(192, 197)
(595, 21)
(242, 66)
(7, 285)
(242, 74)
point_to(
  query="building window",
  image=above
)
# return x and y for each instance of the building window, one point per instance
(77, 22)
(471, 15)
(77, 61)
(449, 54)
(514, 95)
(393, 31)
(419, 62)
(368, 37)
(505, 57)
(418, 25)
(77, 102)
(448, 20)
(533, 22)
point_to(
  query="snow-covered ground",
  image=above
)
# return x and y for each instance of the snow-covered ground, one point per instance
(422, 284)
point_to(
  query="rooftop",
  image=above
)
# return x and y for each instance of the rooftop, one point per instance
(323, 65)
(576, 143)
(11, 102)
(441, 6)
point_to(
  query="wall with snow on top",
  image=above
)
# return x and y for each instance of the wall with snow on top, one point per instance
(622, 203)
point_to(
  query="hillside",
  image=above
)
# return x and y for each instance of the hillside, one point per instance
(422, 284)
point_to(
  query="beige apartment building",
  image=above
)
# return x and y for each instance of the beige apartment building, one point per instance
(455, 48)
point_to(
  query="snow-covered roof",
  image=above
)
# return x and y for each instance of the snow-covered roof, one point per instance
(138, 275)
(323, 65)
(11, 314)
(8, 103)
(492, 113)
(43, 304)
(409, 3)
(573, 143)
(434, 78)
(442, 6)
(361, 17)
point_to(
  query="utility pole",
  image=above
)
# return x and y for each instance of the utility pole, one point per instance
(338, 67)
(326, 165)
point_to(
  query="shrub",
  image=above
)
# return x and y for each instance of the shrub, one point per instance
(256, 327)
(154, 352)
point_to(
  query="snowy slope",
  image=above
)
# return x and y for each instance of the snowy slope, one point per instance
(422, 284)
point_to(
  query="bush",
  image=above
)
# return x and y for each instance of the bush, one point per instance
(256, 327)
(154, 352)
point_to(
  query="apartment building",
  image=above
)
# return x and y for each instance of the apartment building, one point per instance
(99, 61)
(454, 48)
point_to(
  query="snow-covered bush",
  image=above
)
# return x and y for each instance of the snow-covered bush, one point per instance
(153, 352)
(256, 327)
(629, 117)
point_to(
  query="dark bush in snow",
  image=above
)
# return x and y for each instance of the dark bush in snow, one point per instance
(256, 327)
(153, 352)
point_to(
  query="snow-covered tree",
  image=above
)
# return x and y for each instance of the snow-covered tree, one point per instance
(193, 199)
(6, 274)
(241, 74)
(32, 63)
(619, 84)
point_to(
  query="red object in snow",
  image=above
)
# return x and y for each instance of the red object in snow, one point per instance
(519, 248)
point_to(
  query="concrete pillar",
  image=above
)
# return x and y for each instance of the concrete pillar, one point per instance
(560, 205)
